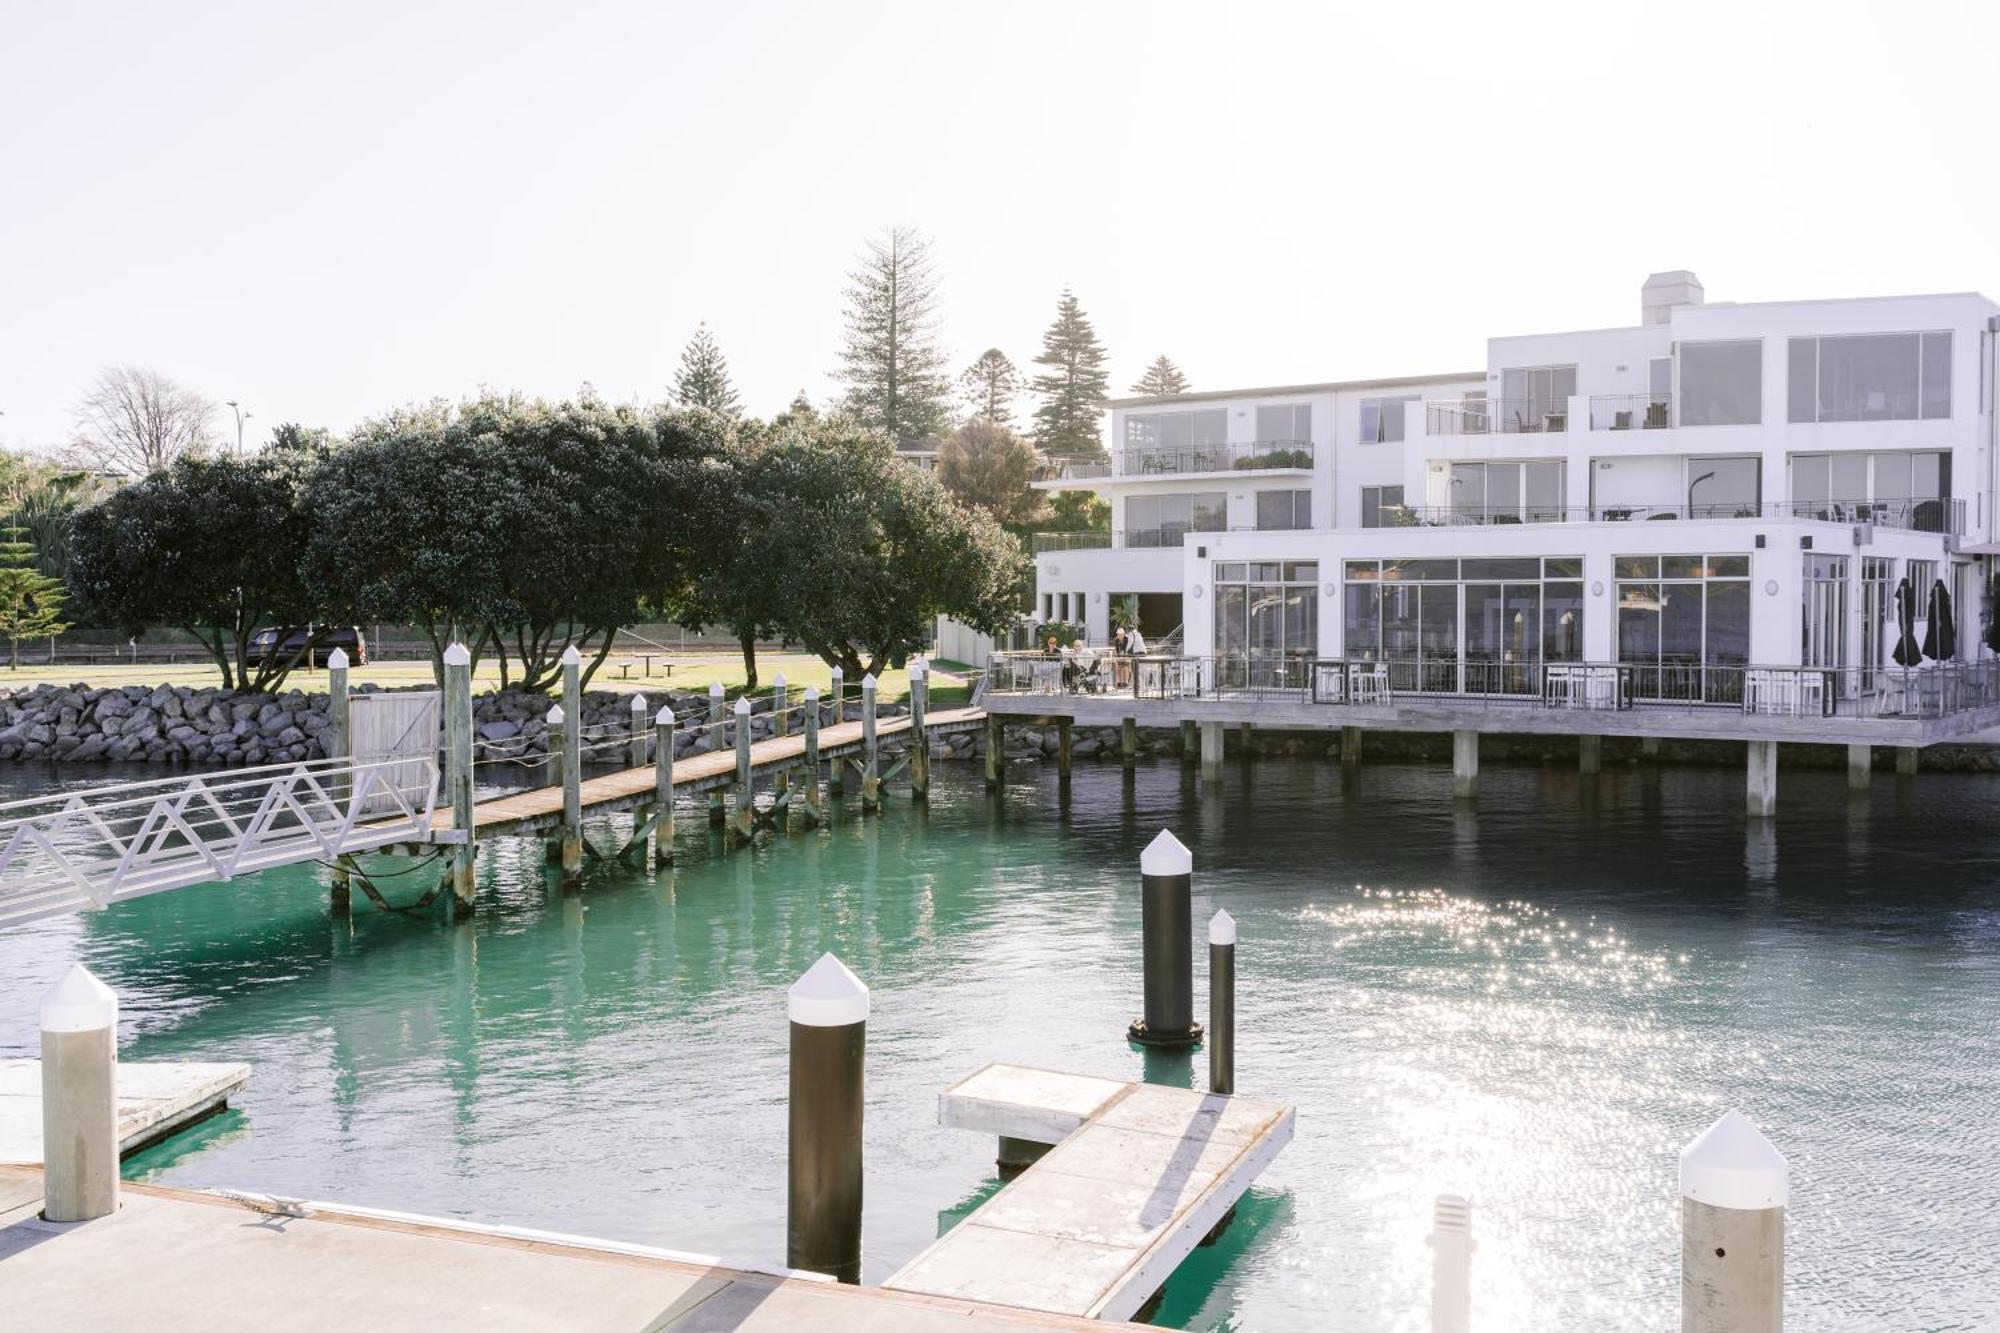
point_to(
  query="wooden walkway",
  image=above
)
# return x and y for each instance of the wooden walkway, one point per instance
(182, 1261)
(1140, 1174)
(154, 1100)
(540, 808)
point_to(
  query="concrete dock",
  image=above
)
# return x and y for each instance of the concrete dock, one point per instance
(180, 1261)
(154, 1100)
(1138, 1175)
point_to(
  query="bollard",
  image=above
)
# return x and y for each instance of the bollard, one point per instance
(780, 700)
(871, 771)
(746, 791)
(458, 772)
(1222, 1003)
(996, 750)
(1734, 1187)
(1451, 1264)
(1166, 877)
(339, 745)
(811, 716)
(836, 778)
(828, 1008)
(920, 753)
(638, 752)
(79, 1020)
(717, 815)
(663, 785)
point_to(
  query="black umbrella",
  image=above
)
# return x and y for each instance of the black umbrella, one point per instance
(1906, 654)
(1941, 639)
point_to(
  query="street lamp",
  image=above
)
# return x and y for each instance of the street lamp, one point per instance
(1691, 485)
(241, 417)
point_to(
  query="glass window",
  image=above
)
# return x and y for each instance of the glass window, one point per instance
(1519, 568)
(1284, 509)
(1562, 622)
(1382, 419)
(1724, 487)
(1272, 612)
(1302, 571)
(1722, 383)
(1362, 627)
(1290, 423)
(1229, 573)
(1802, 380)
(1360, 570)
(1936, 375)
(1637, 566)
(1382, 506)
(1562, 567)
(1536, 398)
(1542, 491)
(1869, 377)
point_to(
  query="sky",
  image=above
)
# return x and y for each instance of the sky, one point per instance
(323, 211)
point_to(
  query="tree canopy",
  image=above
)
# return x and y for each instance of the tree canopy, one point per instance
(984, 463)
(137, 421)
(1163, 379)
(892, 361)
(990, 385)
(31, 602)
(1075, 386)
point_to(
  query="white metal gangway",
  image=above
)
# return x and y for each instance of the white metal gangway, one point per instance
(90, 848)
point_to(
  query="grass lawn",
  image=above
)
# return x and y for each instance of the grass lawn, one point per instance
(951, 682)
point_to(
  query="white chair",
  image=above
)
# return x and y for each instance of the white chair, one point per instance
(1559, 686)
(1370, 686)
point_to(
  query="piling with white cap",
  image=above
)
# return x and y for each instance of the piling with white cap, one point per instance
(717, 814)
(836, 778)
(781, 699)
(746, 788)
(828, 1008)
(339, 746)
(1734, 1189)
(1222, 1003)
(79, 1020)
(920, 742)
(572, 736)
(1166, 909)
(871, 769)
(1451, 1264)
(458, 763)
(663, 785)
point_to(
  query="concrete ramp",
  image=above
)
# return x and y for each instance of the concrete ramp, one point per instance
(1140, 1174)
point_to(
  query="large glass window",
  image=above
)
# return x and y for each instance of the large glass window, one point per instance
(1823, 631)
(1684, 623)
(1287, 424)
(1507, 492)
(1722, 383)
(1905, 488)
(1724, 487)
(1477, 626)
(1162, 520)
(1382, 507)
(1535, 398)
(1382, 419)
(1284, 509)
(1267, 621)
(1869, 377)
(1191, 441)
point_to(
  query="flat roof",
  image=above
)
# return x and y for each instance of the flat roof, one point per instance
(1281, 390)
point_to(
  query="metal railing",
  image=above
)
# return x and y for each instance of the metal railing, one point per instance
(1070, 541)
(1495, 416)
(1937, 690)
(1253, 456)
(85, 849)
(1631, 411)
(1933, 515)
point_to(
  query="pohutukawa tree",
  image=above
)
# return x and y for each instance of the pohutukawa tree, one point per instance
(892, 361)
(990, 385)
(703, 380)
(1162, 379)
(1073, 388)
(988, 465)
(31, 602)
(136, 421)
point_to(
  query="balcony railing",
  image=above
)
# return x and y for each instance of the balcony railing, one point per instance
(1885, 693)
(1254, 456)
(1631, 411)
(1933, 515)
(1071, 541)
(1496, 416)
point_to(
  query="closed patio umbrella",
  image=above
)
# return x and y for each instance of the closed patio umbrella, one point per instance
(1941, 641)
(1906, 654)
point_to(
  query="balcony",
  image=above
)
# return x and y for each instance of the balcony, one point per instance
(1070, 541)
(1138, 539)
(1496, 416)
(1631, 411)
(1932, 515)
(1160, 460)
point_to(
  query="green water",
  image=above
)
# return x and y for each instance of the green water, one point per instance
(1536, 1001)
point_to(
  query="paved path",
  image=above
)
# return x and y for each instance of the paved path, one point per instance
(153, 1101)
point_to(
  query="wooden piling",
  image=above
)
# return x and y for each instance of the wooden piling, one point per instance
(745, 822)
(814, 811)
(663, 786)
(458, 774)
(996, 750)
(1064, 749)
(339, 743)
(1190, 743)
(1350, 746)
(920, 741)
(572, 739)
(718, 813)
(871, 772)
(781, 781)
(1128, 743)
(836, 778)
(637, 757)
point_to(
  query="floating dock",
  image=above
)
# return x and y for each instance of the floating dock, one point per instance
(179, 1261)
(154, 1100)
(1138, 1176)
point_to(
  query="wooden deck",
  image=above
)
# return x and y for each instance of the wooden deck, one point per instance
(1139, 1175)
(154, 1100)
(182, 1261)
(541, 808)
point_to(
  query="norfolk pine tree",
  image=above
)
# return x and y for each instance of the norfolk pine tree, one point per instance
(1162, 379)
(30, 601)
(891, 360)
(703, 380)
(990, 385)
(1074, 387)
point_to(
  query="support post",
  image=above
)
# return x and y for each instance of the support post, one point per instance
(1465, 764)
(79, 1020)
(1222, 1003)
(828, 1008)
(996, 750)
(780, 726)
(1649, 747)
(1190, 744)
(663, 785)
(744, 823)
(1128, 743)
(920, 754)
(1065, 752)
(1211, 752)
(1017, 1155)
(871, 765)
(836, 778)
(1166, 886)
(1906, 761)
(811, 714)
(718, 814)
(458, 771)
(339, 744)
(637, 757)
(1860, 766)
(1761, 779)
(1451, 1264)
(1350, 746)
(1589, 754)
(1734, 1189)
(572, 738)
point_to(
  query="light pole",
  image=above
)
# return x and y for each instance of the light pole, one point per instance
(1691, 485)
(241, 417)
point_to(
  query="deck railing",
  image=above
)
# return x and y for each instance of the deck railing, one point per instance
(1250, 456)
(1930, 515)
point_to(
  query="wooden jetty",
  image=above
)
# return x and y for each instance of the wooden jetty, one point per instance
(179, 1261)
(154, 1100)
(1138, 1176)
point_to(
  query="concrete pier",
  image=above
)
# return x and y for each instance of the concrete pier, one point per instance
(1465, 764)
(1350, 746)
(1906, 761)
(1589, 753)
(1761, 779)
(1860, 766)
(1211, 751)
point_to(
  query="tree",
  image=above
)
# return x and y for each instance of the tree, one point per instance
(891, 360)
(31, 602)
(990, 385)
(1074, 387)
(304, 443)
(986, 464)
(1079, 511)
(136, 421)
(1163, 379)
(209, 546)
(703, 381)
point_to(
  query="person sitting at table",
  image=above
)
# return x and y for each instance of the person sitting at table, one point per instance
(1083, 665)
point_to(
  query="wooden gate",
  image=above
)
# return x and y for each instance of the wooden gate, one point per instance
(400, 725)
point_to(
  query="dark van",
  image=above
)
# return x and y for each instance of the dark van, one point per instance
(269, 647)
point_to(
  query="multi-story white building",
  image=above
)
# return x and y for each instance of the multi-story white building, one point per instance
(1717, 488)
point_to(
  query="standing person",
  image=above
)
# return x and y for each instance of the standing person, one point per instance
(1135, 643)
(1118, 641)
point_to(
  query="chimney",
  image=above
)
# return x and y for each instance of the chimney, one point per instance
(1664, 292)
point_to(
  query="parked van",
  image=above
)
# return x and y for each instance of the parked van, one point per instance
(269, 647)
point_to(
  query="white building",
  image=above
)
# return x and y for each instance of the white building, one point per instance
(1717, 488)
